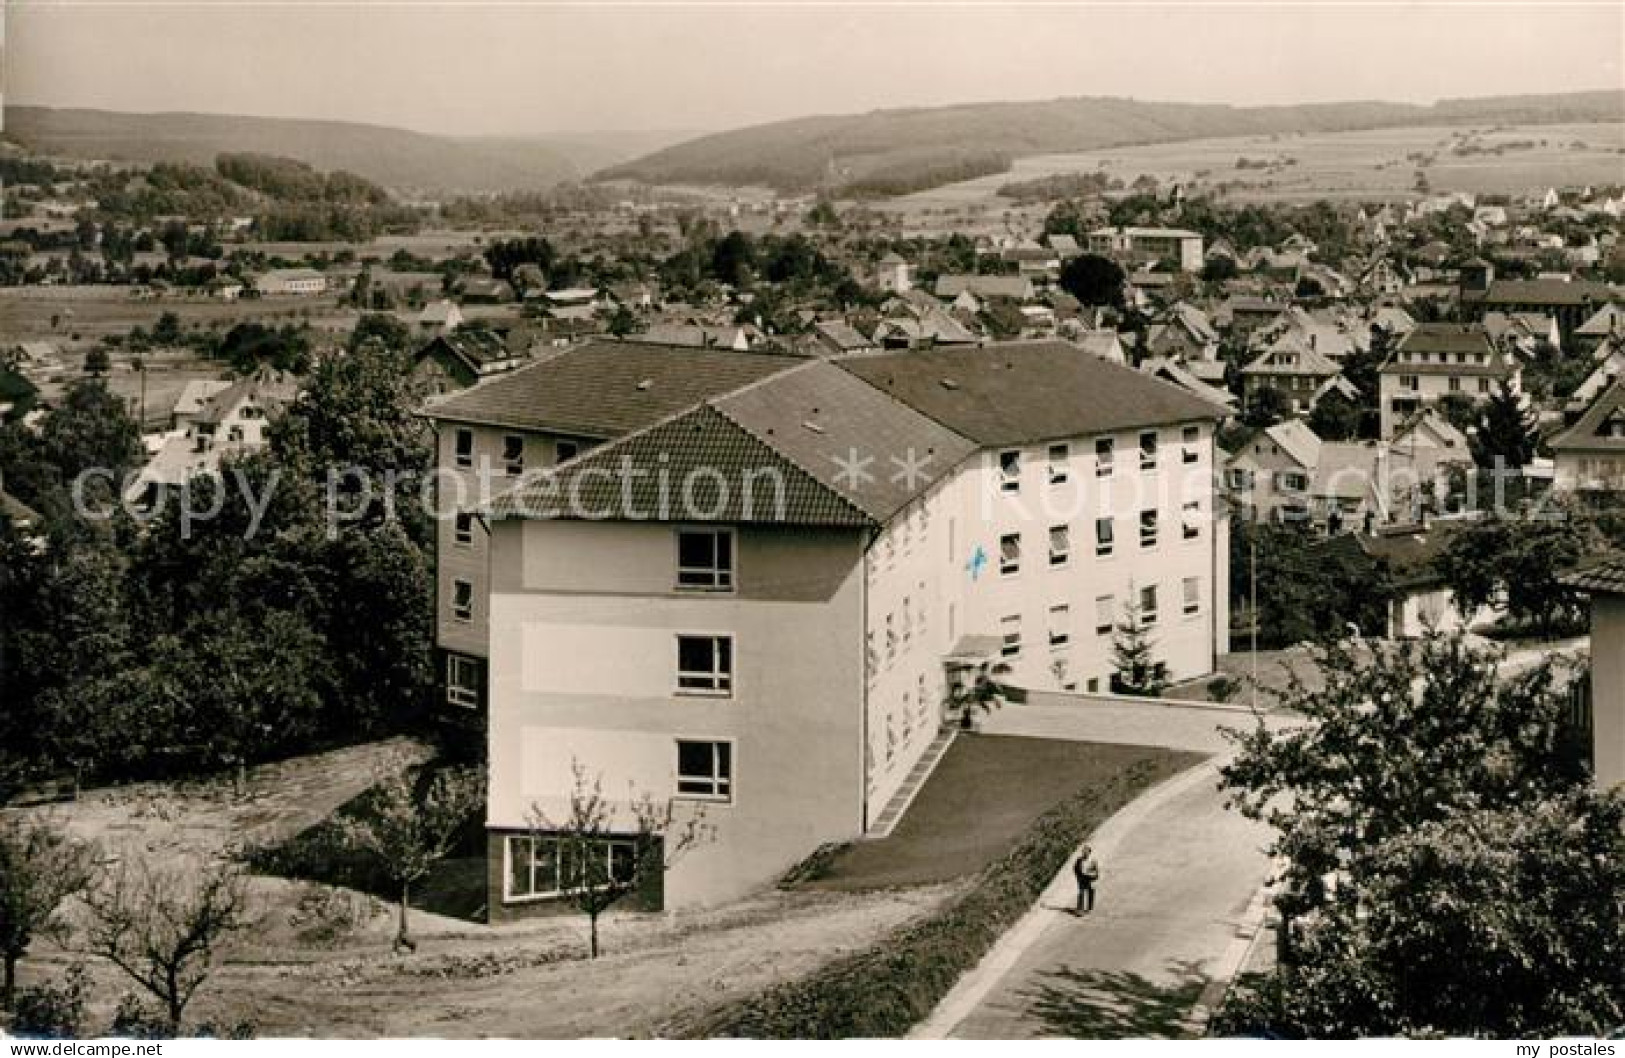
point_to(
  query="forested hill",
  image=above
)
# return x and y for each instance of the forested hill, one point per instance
(898, 151)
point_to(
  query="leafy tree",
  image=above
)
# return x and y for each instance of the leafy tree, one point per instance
(1335, 418)
(1134, 665)
(1267, 406)
(40, 867)
(1308, 589)
(1434, 821)
(605, 852)
(163, 927)
(408, 834)
(1219, 269)
(1460, 410)
(381, 327)
(97, 361)
(252, 345)
(979, 694)
(89, 429)
(1094, 280)
(1514, 562)
(380, 625)
(1506, 436)
(167, 331)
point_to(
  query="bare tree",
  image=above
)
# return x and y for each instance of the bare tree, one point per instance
(603, 852)
(40, 867)
(163, 926)
(409, 834)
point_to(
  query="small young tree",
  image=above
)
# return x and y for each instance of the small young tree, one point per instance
(1136, 669)
(164, 926)
(409, 834)
(603, 852)
(39, 868)
(978, 694)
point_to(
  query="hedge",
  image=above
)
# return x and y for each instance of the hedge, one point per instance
(888, 988)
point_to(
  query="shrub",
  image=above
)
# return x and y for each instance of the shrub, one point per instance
(52, 1010)
(886, 989)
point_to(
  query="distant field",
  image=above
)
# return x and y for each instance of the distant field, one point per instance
(1370, 165)
(83, 314)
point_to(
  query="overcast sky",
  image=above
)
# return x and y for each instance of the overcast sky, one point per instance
(521, 67)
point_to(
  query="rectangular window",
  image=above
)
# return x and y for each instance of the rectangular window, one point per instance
(705, 665)
(1011, 628)
(705, 770)
(1094, 685)
(1188, 439)
(539, 867)
(1193, 595)
(1148, 450)
(1105, 452)
(513, 454)
(463, 442)
(1060, 545)
(1239, 479)
(1010, 471)
(1060, 625)
(1148, 528)
(1483, 385)
(1103, 536)
(565, 450)
(1407, 382)
(1455, 384)
(1148, 605)
(462, 600)
(1010, 554)
(1105, 615)
(1191, 520)
(705, 559)
(462, 681)
(1059, 460)
(463, 530)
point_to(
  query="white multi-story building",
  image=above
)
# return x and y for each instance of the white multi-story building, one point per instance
(1145, 245)
(1437, 359)
(754, 604)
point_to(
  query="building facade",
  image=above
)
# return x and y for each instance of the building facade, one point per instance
(754, 605)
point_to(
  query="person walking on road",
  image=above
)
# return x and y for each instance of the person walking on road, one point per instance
(1086, 870)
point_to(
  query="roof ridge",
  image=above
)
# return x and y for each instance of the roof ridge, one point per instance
(782, 454)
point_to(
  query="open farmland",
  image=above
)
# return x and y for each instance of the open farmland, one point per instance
(1379, 164)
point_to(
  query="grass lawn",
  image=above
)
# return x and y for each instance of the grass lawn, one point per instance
(982, 798)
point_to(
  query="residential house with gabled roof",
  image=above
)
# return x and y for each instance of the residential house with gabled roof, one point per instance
(1286, 473)
(1522, 333)
(1291, 365)
(837, 337)
(1437, 359)
(1589, 456)
(1182, 331)
(1016, 288)
(1570, 302)
(233, 420)
(1606, 322)
(451, 362)
(753, 595)
(1176, 372)
(1610, 366)
(1405, 559)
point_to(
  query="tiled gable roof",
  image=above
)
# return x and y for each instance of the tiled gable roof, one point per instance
(820, 418)
(697, 467)
(1606, 577)
(607, 389)
(1024, 392)
(1592, 429)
